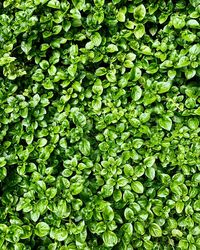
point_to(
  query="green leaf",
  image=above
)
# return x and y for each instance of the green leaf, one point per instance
(122, 181)
(155, 230)
(149, 98)
(137, 187)
(149, 161)
(146, 50)
(96, 39)
(63, 143)
(14, 233)
(190, 73)
(194, 49)
(150, 173)
(107, 190)
(121, 17)
(79, 4)
(6, 59)
(165, 122)
(101, 71)
(194, 3)
(108, 213)
(26, 47)
(44, 64)
(135, 74)
(2, 162)
(188, 36)
(183, 62)
(99, 3)
(177, 233)
(55, 4)
(192, 23)
(109, 239)
(139, 31)
(183, 244)
(197, 111)
(129, 214)
(128, 170)
(163, 192)
(38, 76)
(84, 147)
(76, 188)
(51, 192)
(111, 48)
(163, 87)
(136, 93)
(27, 232)
(42, 142)
(139, 228)
(137, 143)
(193, 123)
(96, 104)
(72, 69)
(42, 229)
(178, 21)
(179, 207)
(139, 12)
(111, 77)
(3, 173)
(59, 234)
(196, 205)
(52, 70)
(48, 84)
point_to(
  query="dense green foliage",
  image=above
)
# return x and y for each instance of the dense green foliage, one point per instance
(99, 124)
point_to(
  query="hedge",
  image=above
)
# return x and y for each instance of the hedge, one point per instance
(99, 124)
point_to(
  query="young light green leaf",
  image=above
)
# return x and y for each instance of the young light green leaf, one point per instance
(139, 31)
(149, 161)
(193, 123)
(179, 206)
(183, 62)
(108, 213)
(6, 60)
(165, 122)
(55, 4)
(111, 48)
(192, 23)
(101, 71)
(72, 69)
(84, 147)
(128, 214)
(135, 73)
(190, 73)
(196, 205)
(150, 173)
(139, 228)
(178, 21)
(96, 39)
(136, 93)
(139, 12)
(59, 234)
(163, 87)
(137, 187)
(26, 47)
(155, 230)
(194, 49)
(42, 229)
(109, 239)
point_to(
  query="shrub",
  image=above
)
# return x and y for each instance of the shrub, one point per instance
(99, 123)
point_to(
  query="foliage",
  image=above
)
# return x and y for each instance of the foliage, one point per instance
(99, 121)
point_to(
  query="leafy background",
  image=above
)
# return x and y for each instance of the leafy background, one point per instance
(99, 121)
